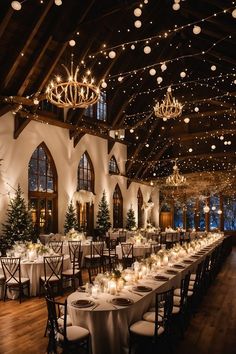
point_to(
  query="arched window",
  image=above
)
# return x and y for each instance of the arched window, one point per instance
(42, 189)
(98, 110)
(85, 174)
(113, 167)
(117, 208)
(85, 210)
(140, 210)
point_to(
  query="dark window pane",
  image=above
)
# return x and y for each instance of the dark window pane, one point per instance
(33, 183)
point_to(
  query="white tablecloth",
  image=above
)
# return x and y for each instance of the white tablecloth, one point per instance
(34, 270)
(139, 250)
(109, 326)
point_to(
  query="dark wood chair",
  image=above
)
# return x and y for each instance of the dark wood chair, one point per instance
(12, 274)
(96, 254)
(180, 308)
(93, 271)
(156, 323)
(110, 258)
(74, 273)
(56, 246)
(53, 266)
(69, 338)
(127, 251)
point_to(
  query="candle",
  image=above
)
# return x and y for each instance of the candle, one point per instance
(165, 260)
(94, 292)
(112, 287)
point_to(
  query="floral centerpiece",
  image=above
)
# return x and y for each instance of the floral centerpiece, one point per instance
(75, 235)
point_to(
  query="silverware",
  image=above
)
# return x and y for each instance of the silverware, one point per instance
(134, 292)
(113, 305)
(95, 307)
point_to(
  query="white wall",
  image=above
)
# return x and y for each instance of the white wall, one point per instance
(17, 153)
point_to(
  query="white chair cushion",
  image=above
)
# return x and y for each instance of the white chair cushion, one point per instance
(70, 272)
(177, 300)
(53, 278)
(145, 328)
(192, 282)
(2, 278)
(192, 277)
(61, 321)
(150, 316)
(175, 310)
(177, 292)
(74, 333)
(14, 282)
(95, 256)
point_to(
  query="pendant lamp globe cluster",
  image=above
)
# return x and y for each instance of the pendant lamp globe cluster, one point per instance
(175, 180)
(169, 107)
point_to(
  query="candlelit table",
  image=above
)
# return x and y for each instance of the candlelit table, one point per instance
(109, 324)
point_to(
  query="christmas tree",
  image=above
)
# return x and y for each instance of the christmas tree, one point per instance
(18, 226)
(70, 219)
(130, 220)
(103, 217)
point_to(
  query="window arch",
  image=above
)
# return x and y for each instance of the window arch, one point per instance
(140, 210)
(85, 174)
(42, 190)
(113, 166)
(117, 208)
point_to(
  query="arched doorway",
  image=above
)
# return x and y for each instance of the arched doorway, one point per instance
(140, 210)
(117, 208)
(42, 190)
(85, 210)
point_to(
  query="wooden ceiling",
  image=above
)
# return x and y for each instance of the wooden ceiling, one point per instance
(34, 42)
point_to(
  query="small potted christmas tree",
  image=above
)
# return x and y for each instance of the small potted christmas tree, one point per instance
(18, 225)
(71, 222)
(130, 220)
(103, 216)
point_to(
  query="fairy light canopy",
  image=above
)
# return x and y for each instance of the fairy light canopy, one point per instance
(189, 47)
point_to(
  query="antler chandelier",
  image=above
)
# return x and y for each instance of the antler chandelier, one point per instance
(175, 179)
(169, 107)
(72, 93)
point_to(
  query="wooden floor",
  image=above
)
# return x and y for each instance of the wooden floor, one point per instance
(211, 331)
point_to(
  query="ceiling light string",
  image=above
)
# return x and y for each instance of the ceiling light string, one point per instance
(189, 103)
(203, 52)
(185, 83)
(159, 36)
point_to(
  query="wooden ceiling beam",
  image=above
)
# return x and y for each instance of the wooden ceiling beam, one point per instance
(5, 108)
(17, 60)
(77, 138)
(19, 125)
(211, 133)
(54, 60)
(37, 59)
(4, 23)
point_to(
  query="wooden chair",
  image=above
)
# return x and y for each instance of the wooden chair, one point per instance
(127, 251)
(12, 274)
(96, 254)
(93, 271)
(56, 246)
(53, 266)
(74, 250)
(60, 314)
(155, 324)
(179, 311)
(110, 258)
(69, 338)
(75, 272)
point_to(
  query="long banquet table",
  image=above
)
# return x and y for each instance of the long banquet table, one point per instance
(109, 324)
